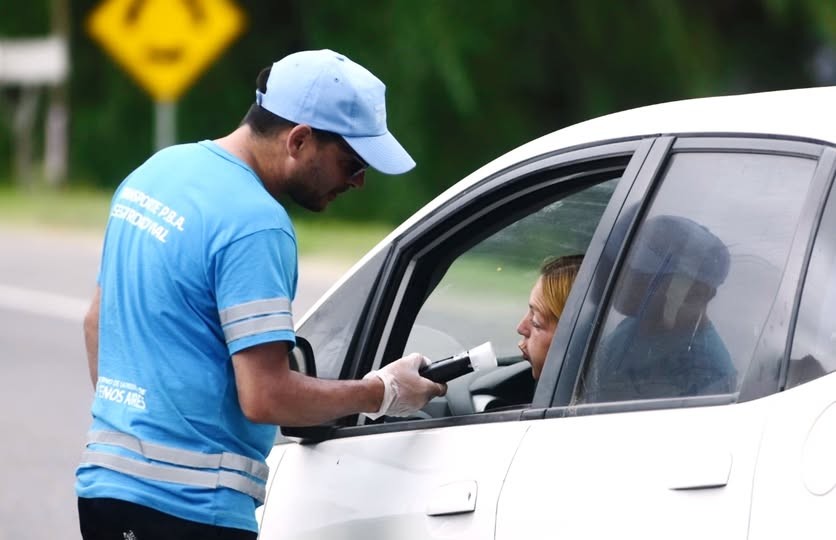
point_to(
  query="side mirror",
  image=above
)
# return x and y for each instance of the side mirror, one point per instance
(302, 360)
(302, 357)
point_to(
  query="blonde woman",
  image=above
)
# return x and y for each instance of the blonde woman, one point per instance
(545, 304)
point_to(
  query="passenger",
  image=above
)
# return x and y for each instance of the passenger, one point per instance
(666, 346)
(545, 304)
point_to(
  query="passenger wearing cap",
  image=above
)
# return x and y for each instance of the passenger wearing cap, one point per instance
(665, 346)
(189, 332)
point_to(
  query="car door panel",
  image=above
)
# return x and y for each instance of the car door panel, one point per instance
(645, 474)
(418, 484)
(793, 490)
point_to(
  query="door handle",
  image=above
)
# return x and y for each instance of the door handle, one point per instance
(699, 469)
(454, 498)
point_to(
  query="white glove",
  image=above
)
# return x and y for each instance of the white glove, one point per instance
(404, 390)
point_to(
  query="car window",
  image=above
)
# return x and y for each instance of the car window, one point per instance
(697, 283)
(331, 327)
(814, 340)
(485, 291)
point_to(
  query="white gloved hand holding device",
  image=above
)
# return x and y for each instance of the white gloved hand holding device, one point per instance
(404, 390)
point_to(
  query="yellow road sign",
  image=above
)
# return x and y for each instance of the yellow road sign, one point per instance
(165, 44)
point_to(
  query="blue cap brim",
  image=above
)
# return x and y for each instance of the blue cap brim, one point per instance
(383, 153)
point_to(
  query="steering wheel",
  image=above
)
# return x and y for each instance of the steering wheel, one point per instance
(478, 391)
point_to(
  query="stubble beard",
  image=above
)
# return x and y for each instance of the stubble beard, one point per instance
(303, 191)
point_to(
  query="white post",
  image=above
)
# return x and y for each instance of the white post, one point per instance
(56, 138)
(55, 141)
(23, 127)
(165, 124)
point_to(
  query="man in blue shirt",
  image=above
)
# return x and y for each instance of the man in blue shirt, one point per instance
(189, 332)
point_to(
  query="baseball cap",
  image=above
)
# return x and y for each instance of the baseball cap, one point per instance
(326, 90)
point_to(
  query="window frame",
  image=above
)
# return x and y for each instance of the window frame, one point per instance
(772, 344)
(824, 220)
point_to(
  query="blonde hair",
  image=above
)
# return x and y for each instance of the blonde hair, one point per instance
(557, 275)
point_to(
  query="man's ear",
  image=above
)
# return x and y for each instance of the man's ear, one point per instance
(298, 138)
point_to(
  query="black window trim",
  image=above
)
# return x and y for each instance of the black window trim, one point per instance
(741, 144)
(772, 351)
(827, 170)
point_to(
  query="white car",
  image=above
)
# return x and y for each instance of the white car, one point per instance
(617, 439)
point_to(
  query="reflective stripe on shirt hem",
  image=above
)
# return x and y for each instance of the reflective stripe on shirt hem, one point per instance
(179, 456)
(177, 475)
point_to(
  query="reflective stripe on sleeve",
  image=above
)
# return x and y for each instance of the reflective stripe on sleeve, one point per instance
(259, 325)
(258, 308)
(177, 475)
(179, 456)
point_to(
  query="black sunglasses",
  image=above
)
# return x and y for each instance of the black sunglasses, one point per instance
(356, 163)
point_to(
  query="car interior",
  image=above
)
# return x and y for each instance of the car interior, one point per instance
(477, 290)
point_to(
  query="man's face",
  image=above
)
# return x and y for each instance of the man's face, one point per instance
(333, 169)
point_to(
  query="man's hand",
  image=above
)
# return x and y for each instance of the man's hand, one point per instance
(405, 391)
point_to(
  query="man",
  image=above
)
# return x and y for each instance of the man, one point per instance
(189, 331)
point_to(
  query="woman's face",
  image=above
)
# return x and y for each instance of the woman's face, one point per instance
(537, 329)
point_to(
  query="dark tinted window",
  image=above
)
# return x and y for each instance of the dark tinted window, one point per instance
(814, 342)
(700, 276)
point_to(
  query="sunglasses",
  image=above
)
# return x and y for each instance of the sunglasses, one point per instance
(355, 164)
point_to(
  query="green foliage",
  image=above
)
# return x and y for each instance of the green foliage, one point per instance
(467, 79)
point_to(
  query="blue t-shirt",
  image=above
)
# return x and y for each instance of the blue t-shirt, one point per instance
(199, 262)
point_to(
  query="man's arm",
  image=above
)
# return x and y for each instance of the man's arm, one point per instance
(91, 336)
(269, 392)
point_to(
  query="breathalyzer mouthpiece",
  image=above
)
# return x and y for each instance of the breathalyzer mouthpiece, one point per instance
(477, 358)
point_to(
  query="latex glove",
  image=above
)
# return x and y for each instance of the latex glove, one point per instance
(404, 390)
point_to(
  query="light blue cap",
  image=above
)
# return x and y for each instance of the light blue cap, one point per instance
(326, 90)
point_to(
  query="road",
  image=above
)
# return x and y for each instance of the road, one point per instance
(46, 279)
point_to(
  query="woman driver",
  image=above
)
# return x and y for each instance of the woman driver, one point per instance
(545, 304)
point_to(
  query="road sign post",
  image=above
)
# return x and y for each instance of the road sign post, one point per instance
(165, 124)
(165, 45)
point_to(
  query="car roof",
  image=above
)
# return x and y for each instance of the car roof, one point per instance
(793, 113)
(804, 113)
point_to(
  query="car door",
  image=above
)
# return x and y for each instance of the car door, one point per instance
(662, 383)
(457, 278)
(795, 475)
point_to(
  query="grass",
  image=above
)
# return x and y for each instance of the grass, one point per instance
(86, 211)
(81, 210)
